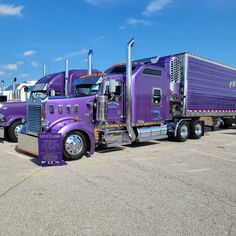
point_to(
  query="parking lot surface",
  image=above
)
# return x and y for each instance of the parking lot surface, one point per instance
(154, 188)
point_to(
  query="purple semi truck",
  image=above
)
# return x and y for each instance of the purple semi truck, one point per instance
(57, 84)
(154, 98)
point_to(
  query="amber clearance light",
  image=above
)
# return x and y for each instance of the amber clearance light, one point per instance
(76, 118)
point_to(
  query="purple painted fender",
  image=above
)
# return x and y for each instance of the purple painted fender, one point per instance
(13, 119)
(71, 125)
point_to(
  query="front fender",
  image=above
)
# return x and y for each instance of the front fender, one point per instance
(87, 128)
(10, 120)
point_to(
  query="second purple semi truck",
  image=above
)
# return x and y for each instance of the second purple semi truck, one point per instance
(57, 84)
(155, 98)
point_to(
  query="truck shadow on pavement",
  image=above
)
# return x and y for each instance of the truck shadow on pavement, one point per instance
(230, 133)
(31, 157)
(120, 148)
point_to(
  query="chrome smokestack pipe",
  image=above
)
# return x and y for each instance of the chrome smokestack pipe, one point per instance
(2, 85)
(44, 70)
(90, 62)
(129, 90)
(66, 77)
(14, 88)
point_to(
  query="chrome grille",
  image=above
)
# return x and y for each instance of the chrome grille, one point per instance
(34, 119)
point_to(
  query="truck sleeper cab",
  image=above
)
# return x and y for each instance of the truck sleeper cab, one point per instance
(153, 98)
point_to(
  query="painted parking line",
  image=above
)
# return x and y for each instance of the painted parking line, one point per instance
(197, 170)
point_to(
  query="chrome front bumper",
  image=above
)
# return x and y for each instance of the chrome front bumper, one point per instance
(28, 144)
(2, 132)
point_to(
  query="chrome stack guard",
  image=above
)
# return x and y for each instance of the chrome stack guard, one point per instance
(28, 144)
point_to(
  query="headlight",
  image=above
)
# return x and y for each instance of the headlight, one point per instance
(1, 117)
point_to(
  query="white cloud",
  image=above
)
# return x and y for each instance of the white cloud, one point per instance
(29, 53)
(10, 10)
(24, 75)
(155, 6)
(135, 21)
(20, 63)
(77, 53)
(71, 54)
(122, 27)
(58, 59)
(34, 64)
(2, 73)
(10, 66)
(97, 2)
(101, 37)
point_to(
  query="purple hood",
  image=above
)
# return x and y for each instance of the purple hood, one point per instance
(12, 111)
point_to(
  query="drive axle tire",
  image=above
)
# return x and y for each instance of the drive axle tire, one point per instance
(13, 131)
(196, 129)
(227, 123)
(182, 132)
(74, 146)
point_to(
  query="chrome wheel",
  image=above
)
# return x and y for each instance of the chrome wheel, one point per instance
(184, 131)
(17, 130)
(198, 129)
(74, 144)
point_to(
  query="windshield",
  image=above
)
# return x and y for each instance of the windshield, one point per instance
(38, 94)
(118, 69)
(86, 90)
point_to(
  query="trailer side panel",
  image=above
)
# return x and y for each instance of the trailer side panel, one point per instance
(211, 90)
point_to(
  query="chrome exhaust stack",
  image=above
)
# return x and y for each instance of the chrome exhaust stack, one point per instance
(90, 62)
(14, 88)
(131, 132)
(66, 77)
(44, 70)
(2, 85)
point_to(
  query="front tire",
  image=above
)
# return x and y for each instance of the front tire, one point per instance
(182, 132)
(196, 129)
(14, 130)
(75, 145)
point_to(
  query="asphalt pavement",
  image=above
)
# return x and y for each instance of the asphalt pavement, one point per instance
(153, 188)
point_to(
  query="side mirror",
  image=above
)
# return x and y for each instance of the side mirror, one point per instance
(52, 93)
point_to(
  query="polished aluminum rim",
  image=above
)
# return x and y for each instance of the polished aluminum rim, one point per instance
(184, 131)
(17, 130)
(74, 144)
(198, 129)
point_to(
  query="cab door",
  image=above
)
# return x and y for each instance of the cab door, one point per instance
(115, 93)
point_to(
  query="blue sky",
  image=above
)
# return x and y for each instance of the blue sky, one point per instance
(49, 31)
